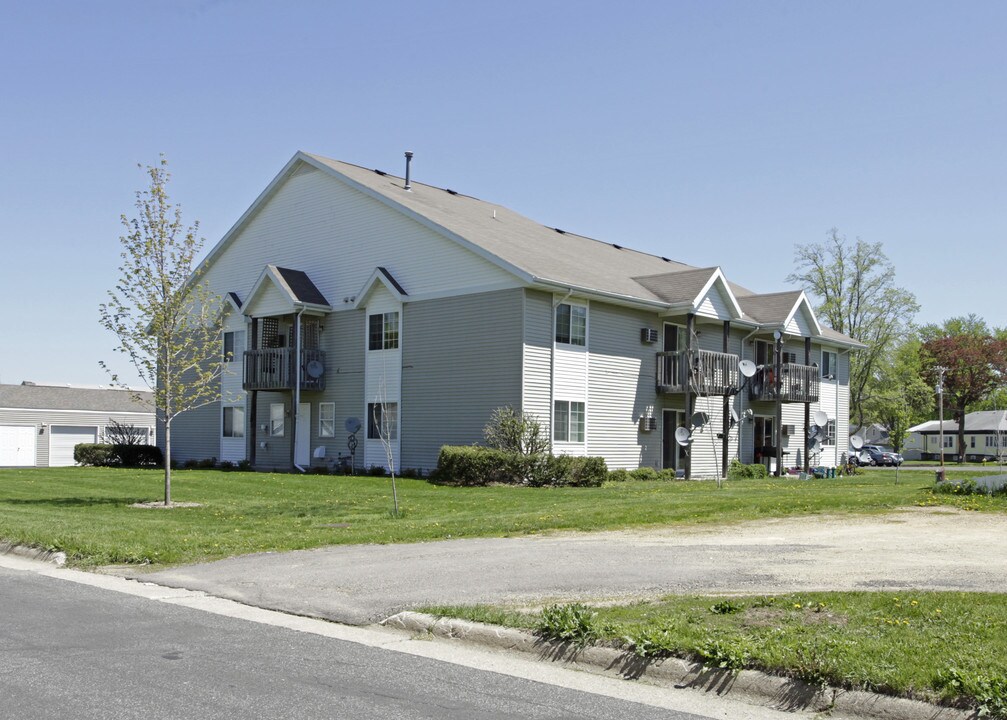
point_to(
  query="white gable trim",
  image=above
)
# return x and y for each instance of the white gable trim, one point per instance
(271, 273)
(382, 276)
(803, 300)
(718, 279)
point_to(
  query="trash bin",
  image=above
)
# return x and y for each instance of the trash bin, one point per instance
(939, 475)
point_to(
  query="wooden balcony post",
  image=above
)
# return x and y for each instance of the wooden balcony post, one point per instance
(727, 406)
(778, 386)
(807, 405)
(690, 324)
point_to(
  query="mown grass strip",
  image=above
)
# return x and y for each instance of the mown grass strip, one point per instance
(949, 646)
(87, 513)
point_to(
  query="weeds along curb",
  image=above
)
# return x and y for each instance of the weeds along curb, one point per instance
(32, 553)
(756, 687)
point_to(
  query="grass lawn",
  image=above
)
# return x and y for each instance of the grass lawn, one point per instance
(928, 645)
(86, 512)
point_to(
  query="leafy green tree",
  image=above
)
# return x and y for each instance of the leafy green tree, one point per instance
(167, 321)
(854, 284)
(974, 360)
(901, 398)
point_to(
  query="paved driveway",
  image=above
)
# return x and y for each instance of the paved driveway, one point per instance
(933, 548)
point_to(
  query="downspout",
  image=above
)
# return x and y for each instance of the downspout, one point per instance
(297, 390)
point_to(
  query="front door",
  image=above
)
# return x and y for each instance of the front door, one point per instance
(765, 442)
(302, 443)
(673, 453)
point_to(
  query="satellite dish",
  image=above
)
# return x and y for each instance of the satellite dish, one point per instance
(315, 368)
(856, 441)
(821, 419)
(319, 452)
(816, 447)
(777, 334)
(699, 419)
(749, 413)
(352, 425)
(683, 436)
(747, 368)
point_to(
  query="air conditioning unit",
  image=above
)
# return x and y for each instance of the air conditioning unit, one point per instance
(790, 357)
(788, 429)
(647, 424)
(648, 335)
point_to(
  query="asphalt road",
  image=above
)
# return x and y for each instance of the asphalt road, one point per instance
(72, 650)
(935, 548)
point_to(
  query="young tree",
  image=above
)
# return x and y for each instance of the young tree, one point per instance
(973, 358)
(857, 296)
(167, 321)
(515, 431)
(901, 398)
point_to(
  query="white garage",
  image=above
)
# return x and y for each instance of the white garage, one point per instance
(17, 445)
(63, 438)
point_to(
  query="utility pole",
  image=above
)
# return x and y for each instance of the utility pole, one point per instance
(940, 413)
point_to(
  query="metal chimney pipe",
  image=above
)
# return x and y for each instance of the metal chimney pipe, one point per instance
(409, 159)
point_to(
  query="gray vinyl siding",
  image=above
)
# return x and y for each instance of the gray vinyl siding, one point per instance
(195, 434)
(621, 388)
(536, 394)
(343, 343)
(276, 454)
(85, 418)
(461, 359)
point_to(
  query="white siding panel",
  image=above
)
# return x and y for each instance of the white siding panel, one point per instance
(338, 235)
(269, 301)
(714, 305)
(383, 376)
(231, 392)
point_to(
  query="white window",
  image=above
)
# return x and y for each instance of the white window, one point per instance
(571, 324)
(234, 422)
(830, 433)
(234, 345)
(568, 421)
(276, 413)
(830, 368)
(383, 331)
(949, 441)
(326, 419)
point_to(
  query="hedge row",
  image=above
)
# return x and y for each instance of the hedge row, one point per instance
(105, 455)
(473, 465)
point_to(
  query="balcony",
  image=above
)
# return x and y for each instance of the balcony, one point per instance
(274, 369)
(713, 373)
(799, 383)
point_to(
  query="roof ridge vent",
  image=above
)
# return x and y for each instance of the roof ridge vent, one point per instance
(561, 232)
(617, 247)
(382, 173)
(449, 191)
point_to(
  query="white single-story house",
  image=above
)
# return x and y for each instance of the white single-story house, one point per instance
(873, 434)
(372, 313)
(41, 424)
(985, 438)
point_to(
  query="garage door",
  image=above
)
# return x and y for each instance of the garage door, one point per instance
(62, 438)
(17, 445)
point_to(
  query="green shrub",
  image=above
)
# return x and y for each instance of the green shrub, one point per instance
(137, 456)
(207, 463)
(377, 471)
(739, 471)
(585, 471)
(479, 466)
(620, 475)
(645, 473)
(226, 465)
(93, 454)
(244, 465)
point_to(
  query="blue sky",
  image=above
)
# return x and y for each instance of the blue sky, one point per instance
(714, 133)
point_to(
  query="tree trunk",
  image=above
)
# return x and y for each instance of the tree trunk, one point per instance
(167, 463)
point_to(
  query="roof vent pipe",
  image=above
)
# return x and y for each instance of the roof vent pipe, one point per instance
(409, 159)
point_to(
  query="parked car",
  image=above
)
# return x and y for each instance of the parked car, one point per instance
(878, 455)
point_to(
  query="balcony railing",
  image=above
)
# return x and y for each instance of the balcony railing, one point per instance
(799, 383)
(713, 373)
(274, 369)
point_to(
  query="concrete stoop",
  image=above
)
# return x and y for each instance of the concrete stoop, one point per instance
(749, 685)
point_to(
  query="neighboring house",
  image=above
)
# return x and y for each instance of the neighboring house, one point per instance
(354, 298)
(985, 438)
(41, 424)
(874, 434)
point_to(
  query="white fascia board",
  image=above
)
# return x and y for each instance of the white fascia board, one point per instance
(803, 300)
(268, 272)
(613, 298)
(717, 278)
(52, 410)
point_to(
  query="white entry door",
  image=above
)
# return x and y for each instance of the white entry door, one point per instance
(302, 443)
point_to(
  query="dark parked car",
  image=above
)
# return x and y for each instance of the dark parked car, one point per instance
(877, 455)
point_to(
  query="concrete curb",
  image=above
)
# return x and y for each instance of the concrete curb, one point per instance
(756, 687)
(33, 553)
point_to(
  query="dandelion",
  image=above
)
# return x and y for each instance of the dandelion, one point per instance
(797, 606)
